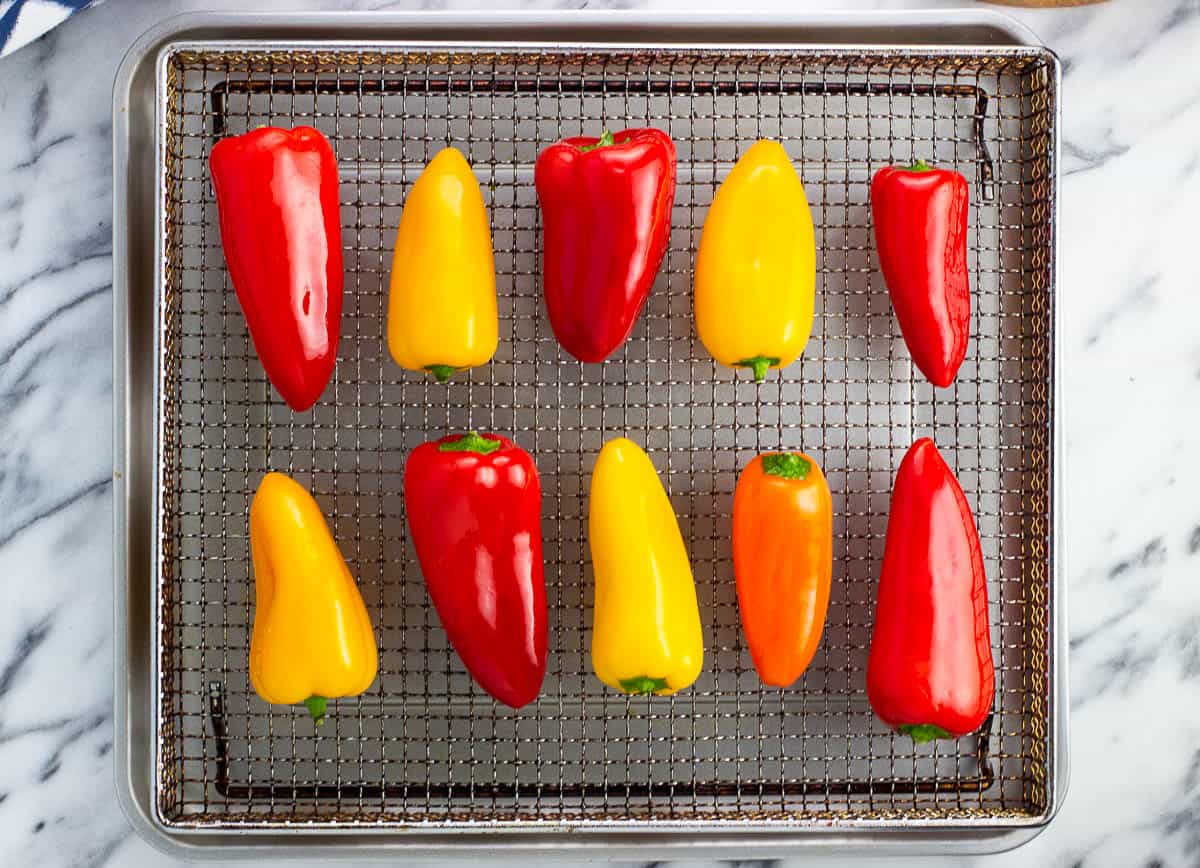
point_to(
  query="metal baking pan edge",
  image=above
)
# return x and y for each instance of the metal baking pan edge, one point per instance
(135, 145)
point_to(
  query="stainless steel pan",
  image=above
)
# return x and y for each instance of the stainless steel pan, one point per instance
(425, 762)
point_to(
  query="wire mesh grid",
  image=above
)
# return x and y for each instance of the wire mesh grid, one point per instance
(424, 744)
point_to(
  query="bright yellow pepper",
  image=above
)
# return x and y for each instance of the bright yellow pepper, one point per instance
(442, 303)
(756, 267)
(646, 625)
(312, 638)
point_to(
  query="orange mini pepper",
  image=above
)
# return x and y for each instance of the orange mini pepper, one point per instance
(783, 561)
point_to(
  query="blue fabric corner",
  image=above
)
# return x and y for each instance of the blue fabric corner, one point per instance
(8, 21)
(22, 9)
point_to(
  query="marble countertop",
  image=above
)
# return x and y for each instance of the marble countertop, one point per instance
(1129, 299)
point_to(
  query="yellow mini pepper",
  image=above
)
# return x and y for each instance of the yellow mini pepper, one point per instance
(442, 303)
(756, 267)
(312, 639)
(646, 625)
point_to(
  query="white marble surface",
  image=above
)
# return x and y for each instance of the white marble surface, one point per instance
(1130, 298)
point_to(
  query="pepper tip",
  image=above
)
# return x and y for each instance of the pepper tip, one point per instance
(643, 684)
(441, 373)
(759, 365)
(316, 706)
(923, 732)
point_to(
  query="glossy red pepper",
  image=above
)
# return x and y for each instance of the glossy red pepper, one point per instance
(606, 215)
(929, 673)
(277, 193)
(474, 507)
(920, 216)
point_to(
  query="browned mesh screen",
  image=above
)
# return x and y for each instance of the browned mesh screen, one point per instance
(424, 744)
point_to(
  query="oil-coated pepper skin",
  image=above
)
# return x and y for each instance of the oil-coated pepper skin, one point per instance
(312, 636)
(646, 635)
(929, 672)
(920, 217)
(756, 266)
(782, 561)
(606, 215)
(277, 195)
(474, 510)
(442, 303)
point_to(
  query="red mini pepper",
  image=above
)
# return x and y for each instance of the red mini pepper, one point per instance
(277, 194)
(929, 673)
(606, 214)
(920, 218)
(474, 510)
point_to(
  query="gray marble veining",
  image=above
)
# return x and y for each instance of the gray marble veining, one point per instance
(1128, 293)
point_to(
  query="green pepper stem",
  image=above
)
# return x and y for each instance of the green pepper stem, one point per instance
(923, 732)
(919, 166)
(441, 373)
(470, 442)
(788, 465)
(316, 706)
(606, 139)
(759, 364)
(643, 684)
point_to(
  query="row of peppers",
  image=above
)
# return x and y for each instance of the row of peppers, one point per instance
(473, 503)
(606, 215)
